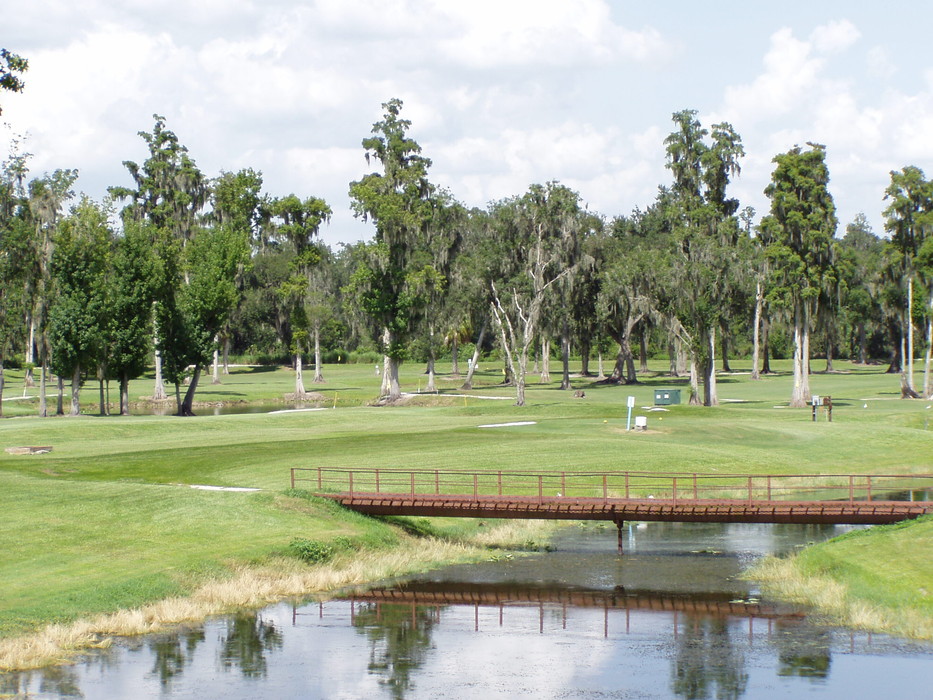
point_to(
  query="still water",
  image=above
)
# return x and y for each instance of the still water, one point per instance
(669, 619)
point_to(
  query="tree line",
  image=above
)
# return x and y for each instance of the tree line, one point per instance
(178, 270)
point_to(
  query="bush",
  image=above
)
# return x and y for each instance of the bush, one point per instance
(312, 551)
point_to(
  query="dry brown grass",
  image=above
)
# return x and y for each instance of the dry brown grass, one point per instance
(832, 601)
(249, 587)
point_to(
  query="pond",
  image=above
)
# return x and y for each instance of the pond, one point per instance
(669, 619)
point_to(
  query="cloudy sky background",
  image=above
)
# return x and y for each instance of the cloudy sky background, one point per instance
(501, 93)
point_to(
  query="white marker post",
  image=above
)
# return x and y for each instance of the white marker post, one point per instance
(631, 405)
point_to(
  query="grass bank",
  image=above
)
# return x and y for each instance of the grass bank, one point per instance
(878, 579)
(109, 521)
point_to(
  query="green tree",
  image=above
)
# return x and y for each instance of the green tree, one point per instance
(801, 227)
(908, 218)
(12, 66)
(132, 279)
(79, 305)
(395, 273)
(299, 223)
(705, 233)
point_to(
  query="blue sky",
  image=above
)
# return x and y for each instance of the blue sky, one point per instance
(501, 93)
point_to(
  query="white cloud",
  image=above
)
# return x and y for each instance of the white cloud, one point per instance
(834, 37)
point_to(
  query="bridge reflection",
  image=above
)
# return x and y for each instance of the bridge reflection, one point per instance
(555, 606)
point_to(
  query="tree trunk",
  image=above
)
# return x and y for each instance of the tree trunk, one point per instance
(188, 404)
(226, 355)
(300, 392)
(59, 406)
(76, 392)
(756, 334)
(800, 396)
(158, 391)
(468, 383)
(599, 366)
(585, 348)
(624, 370)
(725, 350)
(765, 344)
(643, 352)
(318, 367)
(672, 356)
(545, 361)
(862, 344)
(695, 399)
(101, 379)
(215, 367)
(2, 380)
(454, 357)
(829, 355)
(565, 356)
(43, 403)
(395, 390)
(28, 380)
(431, 387)
(124, 395)
(710, 393)
(910, 334)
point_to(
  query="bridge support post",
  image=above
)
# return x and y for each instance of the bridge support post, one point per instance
(620, 526)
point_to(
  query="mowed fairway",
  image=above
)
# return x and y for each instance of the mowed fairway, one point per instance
(108, 519)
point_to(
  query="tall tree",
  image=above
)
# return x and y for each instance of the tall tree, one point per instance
(801, 226)
(170, 192)
(395, 271)
(300, 222)
(79, 306)
(705, 232)
(529, 237)
(908, 218)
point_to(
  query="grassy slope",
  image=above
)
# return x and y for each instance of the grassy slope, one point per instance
(104, 522)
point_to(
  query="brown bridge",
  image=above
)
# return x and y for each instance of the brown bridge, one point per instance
(620, 496)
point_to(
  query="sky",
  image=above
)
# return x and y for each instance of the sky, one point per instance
(501, 94)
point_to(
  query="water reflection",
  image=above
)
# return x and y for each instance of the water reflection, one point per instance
(668, 619)
(707, 663)
(399, 640)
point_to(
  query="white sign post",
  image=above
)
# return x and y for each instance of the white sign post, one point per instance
(631, 405)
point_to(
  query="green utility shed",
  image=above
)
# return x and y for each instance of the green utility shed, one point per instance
(666, 397)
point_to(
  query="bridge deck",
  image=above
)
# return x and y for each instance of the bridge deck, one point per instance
(617, 509)
(621, 496)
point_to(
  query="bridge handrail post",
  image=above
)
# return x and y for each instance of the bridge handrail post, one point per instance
(293, 477)
(351, 482)
(605, 489)
(377, 481)
(412, 483)
(540, 487)
(320, 480)
(869, 489)
(749, 490)
(626, 485)
(437, 482)
(674, 490)
(475, 486)
(695, 489)
(851, 488)
(563, 483)
(500, 482)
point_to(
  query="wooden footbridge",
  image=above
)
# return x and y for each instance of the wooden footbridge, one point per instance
(620, 496)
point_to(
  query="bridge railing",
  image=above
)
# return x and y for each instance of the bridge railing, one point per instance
(676, 486)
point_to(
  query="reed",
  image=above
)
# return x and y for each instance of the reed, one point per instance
(247, 587)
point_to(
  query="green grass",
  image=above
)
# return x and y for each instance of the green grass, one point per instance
(106, 520)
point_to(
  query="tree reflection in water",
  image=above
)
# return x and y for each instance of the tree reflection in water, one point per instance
(55, 681)
(173, 652)
(707, 663)
(248, 638)
(804, 654)
(399, 638)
